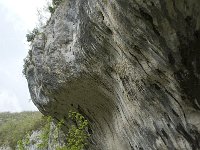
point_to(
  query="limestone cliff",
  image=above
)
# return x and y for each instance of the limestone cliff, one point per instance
(131, 67)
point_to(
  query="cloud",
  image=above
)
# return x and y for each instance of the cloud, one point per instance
(16, 18)
(23, 11)
(9, 102)
(14, 95)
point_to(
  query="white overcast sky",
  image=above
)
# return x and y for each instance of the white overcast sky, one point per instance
(17, 17)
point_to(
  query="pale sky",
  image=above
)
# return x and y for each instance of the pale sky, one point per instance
(17, 18)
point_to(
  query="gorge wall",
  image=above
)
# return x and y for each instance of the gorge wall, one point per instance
(131, 67)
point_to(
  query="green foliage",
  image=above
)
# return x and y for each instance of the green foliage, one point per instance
(27, 62)
(62, 148)
(45, 134)
(51, 9)
(16, 131)
(59, 125)
(27, 139)
(31, 35)
(55, 4)
(77, 136)
(15, 126)
(57, 131)
(105, 2)
(25, 66)
(20, 145)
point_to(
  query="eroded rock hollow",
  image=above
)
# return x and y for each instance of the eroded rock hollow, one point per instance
(131, 67)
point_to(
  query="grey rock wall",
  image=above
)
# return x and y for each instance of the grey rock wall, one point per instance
(5, 148)
(131, 67)
(54, 140)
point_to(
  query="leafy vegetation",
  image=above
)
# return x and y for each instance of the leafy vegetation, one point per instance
(76, 138)
(20, 145)
(16, 126)
(39, 30)
(55, 4)
(31, 35)
(77, 135)
(25, 66)
(45, 134)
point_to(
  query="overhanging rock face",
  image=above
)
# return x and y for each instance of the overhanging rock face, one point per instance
(131, 67)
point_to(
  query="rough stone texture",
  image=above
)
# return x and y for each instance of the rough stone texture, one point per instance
(35, 140)
(131, 67)
(5, 148)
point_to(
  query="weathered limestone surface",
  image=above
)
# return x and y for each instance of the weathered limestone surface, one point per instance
(131, 67)
(5, 148)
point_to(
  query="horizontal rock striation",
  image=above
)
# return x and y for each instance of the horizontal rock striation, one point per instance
(131, 67)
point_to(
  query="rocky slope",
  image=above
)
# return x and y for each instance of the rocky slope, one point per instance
(131, 67)
(29, 131)
(17, 126)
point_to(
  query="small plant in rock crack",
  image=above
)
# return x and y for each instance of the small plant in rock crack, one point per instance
(25, 66)
(45, 135)
(21, 144)
(77, 135)
(31, 35)
(55, 4)
(76, 138)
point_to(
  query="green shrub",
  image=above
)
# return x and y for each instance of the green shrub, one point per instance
(20, 145)
(15, 126)
(55, 4)
(31, 35)
(45, 134)
(27, 62)
(51, 9)
(76, 138)
(25, 66)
